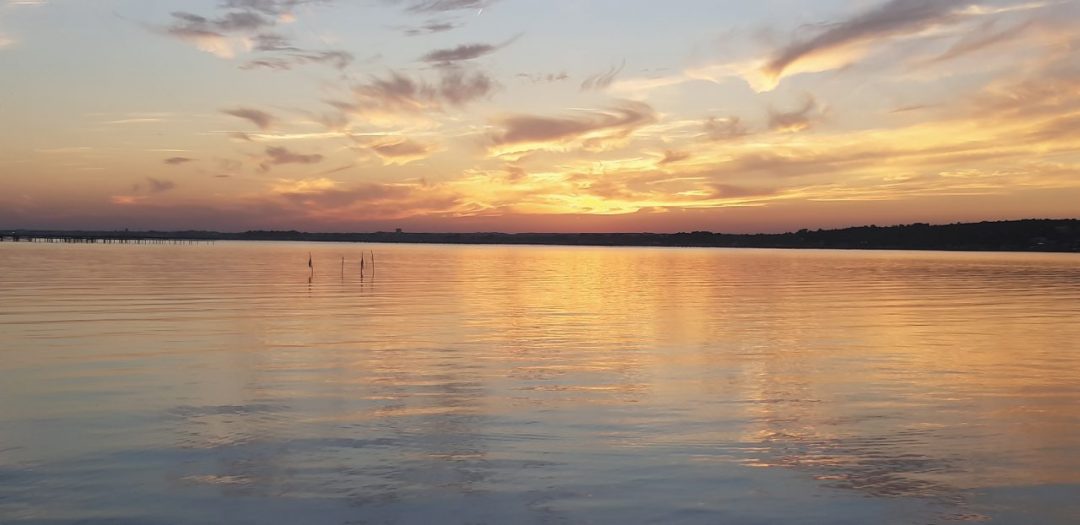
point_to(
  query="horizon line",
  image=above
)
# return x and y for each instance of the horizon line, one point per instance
(495, 232)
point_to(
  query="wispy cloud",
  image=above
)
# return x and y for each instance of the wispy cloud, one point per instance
(602, 81)
(458, 87)
(585, 129)
(261, 119)
(383, 98)
(459, 53)
(441, 6)
(136, 120)
(270, 7)
(278, 155)
(159, 185)
(895, 17)
(986, 35)
(302, 186)
(224, 36)
(247, 26)
(402, 150)
(176, 161)
(673, 156)
(463, 52)
(1009, 28)
(126, 200)
(141, 191)
(272, 42)
(395, 98)
(543, 78)
(429, 28)
(337, 59)
(724, 128)
(343, 204)
(796, 120)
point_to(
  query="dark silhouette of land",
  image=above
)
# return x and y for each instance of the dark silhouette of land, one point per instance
(1043, 235)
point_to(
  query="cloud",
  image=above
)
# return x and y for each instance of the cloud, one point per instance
(459, 87)
(223, 37)
(588, 128)
(983, 36)
(726, 128)
(370, 201)
(289, 186)
(895, 17)
(730, 191)
(139, 193)
(212, 42)
(911, 107)
(515, 174)
(176, 161)
(440, 6)
(1065, 127)
(394, 94)
(390, 100)
(261, 119)
(459, 53)
(1050, 91)
(796, 120)
(278, 155)
(227, 167)
(272, 42)
(6, 41)
(641, 87)
(1050, 22)
(402, 150)
(135, 120)
(196, 28)
(126, 200)
(243, 21)
(246, 27)
(672, 156)
(601, 81)
(336, 59)
(339, 198)
(541, 78)
(429, 28)
(159, 185)
(269, 7)
(527, 128)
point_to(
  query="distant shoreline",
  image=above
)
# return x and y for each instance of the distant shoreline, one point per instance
(1029, 235)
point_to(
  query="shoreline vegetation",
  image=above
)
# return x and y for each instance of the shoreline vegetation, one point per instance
(1029, 235)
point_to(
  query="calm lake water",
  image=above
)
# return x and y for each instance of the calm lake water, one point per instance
(216, 384)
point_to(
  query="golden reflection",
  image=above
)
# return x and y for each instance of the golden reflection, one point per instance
(915, 377)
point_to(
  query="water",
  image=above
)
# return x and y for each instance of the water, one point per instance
(216, 384)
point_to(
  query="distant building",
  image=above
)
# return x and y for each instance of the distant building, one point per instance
(397, 230)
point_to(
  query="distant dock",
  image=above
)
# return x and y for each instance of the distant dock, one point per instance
(96, 239)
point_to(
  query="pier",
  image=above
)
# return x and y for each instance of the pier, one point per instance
(95, 239)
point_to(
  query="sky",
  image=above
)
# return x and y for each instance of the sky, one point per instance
(536, 116)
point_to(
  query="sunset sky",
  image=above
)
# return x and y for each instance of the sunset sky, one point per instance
(530, 115)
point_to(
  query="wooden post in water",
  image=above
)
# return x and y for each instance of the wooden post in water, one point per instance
(372, 264)
(310, 266)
